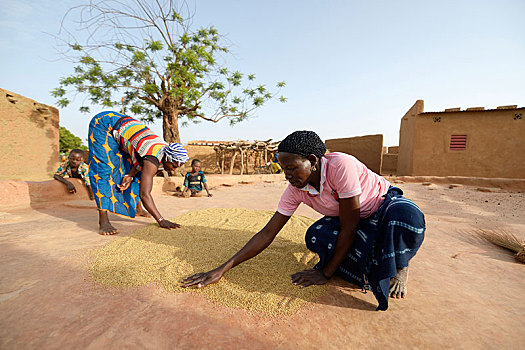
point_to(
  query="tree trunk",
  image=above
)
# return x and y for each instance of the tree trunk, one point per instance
(170, 125)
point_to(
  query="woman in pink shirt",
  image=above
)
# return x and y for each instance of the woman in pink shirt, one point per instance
(369, 232)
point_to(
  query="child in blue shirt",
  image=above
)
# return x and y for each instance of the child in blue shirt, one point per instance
(194, 181)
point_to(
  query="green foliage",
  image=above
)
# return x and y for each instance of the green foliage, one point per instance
(68, 141)
(158, 65)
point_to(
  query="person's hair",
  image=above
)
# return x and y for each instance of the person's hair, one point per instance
(77, 151)
(195, 161)
(303, 143)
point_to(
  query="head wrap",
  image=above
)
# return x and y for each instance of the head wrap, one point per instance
(174, 152)
(303, 143)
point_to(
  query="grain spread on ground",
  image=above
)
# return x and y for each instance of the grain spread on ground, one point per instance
(206, 239)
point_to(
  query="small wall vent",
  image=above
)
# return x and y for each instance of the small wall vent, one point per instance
(458, 142)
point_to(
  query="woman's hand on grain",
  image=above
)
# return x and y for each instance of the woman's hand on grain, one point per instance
(308, 277)
(202, 279)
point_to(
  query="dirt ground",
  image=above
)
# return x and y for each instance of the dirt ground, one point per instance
(462, 292)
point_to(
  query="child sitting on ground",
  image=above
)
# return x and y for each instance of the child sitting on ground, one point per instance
(275, 166)
(74, 167)
(194, 181)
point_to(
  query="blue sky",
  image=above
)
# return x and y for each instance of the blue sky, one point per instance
(352, 68)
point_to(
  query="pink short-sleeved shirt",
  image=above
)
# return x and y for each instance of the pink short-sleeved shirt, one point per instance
(342, 176)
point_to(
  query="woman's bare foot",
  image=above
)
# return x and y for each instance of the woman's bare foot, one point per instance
(398, 284)
(104, 226)
(141, 211)
(107, 229)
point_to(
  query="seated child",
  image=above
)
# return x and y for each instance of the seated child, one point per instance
(74, 167)
(275, 166)
(194, 181)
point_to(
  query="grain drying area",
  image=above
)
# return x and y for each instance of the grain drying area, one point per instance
(207, 239)
(65, 286)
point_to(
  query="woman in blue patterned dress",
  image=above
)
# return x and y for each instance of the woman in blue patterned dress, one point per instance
(124, 156)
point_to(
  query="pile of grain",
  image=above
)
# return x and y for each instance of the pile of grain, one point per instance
(207, 239)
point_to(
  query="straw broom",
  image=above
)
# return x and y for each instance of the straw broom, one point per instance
(505, 240)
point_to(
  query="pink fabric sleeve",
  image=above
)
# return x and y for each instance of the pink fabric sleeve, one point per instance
(289, 202)
(344, 177)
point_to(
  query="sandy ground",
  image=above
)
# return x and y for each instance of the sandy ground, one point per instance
(463, 293)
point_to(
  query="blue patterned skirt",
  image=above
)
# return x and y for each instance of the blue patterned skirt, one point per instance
(107, 165)
(385, 242)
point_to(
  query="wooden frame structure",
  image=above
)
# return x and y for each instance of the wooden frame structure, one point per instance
(260, 151)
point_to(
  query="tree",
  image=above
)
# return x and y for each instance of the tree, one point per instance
(143, 54)
(68, 141)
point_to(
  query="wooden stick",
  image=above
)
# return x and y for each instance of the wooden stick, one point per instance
(222, 163)
(233, 161)
(242, 161)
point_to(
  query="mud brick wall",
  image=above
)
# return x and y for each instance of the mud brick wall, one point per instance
(368, 149)
(29, 142)
(491, 142)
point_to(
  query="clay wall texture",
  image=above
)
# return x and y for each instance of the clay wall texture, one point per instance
(368, 149)
(406, 139)
(205, 154)
(494, 143)
(393, 149)
(389, 164)
(29, 142)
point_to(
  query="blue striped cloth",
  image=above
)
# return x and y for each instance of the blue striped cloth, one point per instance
(385, 242)
(174, 152)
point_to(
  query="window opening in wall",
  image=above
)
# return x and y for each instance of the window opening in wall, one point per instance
(458, 142)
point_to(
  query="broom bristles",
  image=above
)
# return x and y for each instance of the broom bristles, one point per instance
(505, 240)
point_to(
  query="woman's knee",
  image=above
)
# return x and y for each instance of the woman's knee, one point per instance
(322, 235)
(311, 239)
(407, 212)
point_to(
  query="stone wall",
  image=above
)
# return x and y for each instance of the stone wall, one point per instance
(29, 142)
(368, 149)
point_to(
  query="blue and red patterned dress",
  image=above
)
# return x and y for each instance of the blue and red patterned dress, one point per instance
(117, 143)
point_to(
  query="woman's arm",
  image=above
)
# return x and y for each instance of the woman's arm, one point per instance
(146, 184)
(349, 210)
(259, 242)
(133, 171)
(127, 179)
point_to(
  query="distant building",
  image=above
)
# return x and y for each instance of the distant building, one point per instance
(473, 142)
